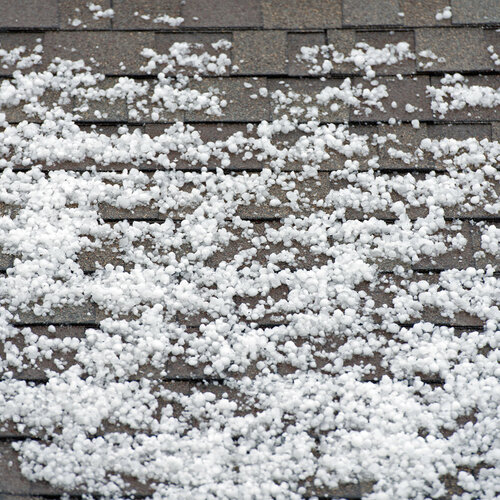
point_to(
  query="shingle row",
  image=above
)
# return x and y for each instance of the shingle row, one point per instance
(296, 14)
(268, 52)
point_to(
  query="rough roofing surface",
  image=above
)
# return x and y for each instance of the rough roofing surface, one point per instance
(249, 249)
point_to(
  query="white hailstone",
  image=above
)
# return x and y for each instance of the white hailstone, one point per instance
(444, 14)
(263, 299)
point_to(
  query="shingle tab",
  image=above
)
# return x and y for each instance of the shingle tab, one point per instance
(69, 314)
(260, 52)
(222, 13)
(495, 131)
(113, 52)
(463, 49)
(201, 43)
(13, 481)
(297, 14)
(9, 41)
(459, 131)
(393, 153)
(379, 39)
(17, 113)
(423, 12)
(475, 11)
(295, 41)
(492, 42)
(214, 133)
(29, 14)
(473, 113)
(483, 258)
(343, 41)
(297, 98)
(379, 12)
(241, 107)
(76, 15)
(144, 14)
(103, 109)
(407, 94)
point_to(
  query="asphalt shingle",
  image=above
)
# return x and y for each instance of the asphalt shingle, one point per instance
(29, 14)
(495, 131)
(70, 314)
(144, 14)
(379, 39)
(459, 131)
(12, 480)
(260, 52)
(76, 15)
(475, 11)
(10, 41)
(296, 14)
(343, 41)
(406, 101)
(222, 13)
(241, 107)
(423, 12)
(463, 49)
(295, 41)
(113, 52)
(406, 141)
(103, 109)
(297, 99)
(200, 43)
(380, 12)
(472, 113)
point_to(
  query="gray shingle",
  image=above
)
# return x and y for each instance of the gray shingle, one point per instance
(475, 11)
(407, 142)
(379, 12)
(452, 258)
(423, 12)
(6, 260)
(310, 190)
(9, 41)
(240, 106)
(492, 41)
(295, 41)
(11, 478)
(463, 49)
(343, 41)
(483, 258)
(344, 491)
(163, 42)
(222, 13)
(379, 39)
(459, 131)
(297, 14)
(29, 14)
(495, 131)
(73, 314)
(113, 52)
(109, 212)
(141, 14)
(18, 113)
(36, 371)
(75, 14)
(260, 52)
(104, 109)
(297, 99)
(336, 159)
(407, 91)
(214, 133)
(473, 113)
